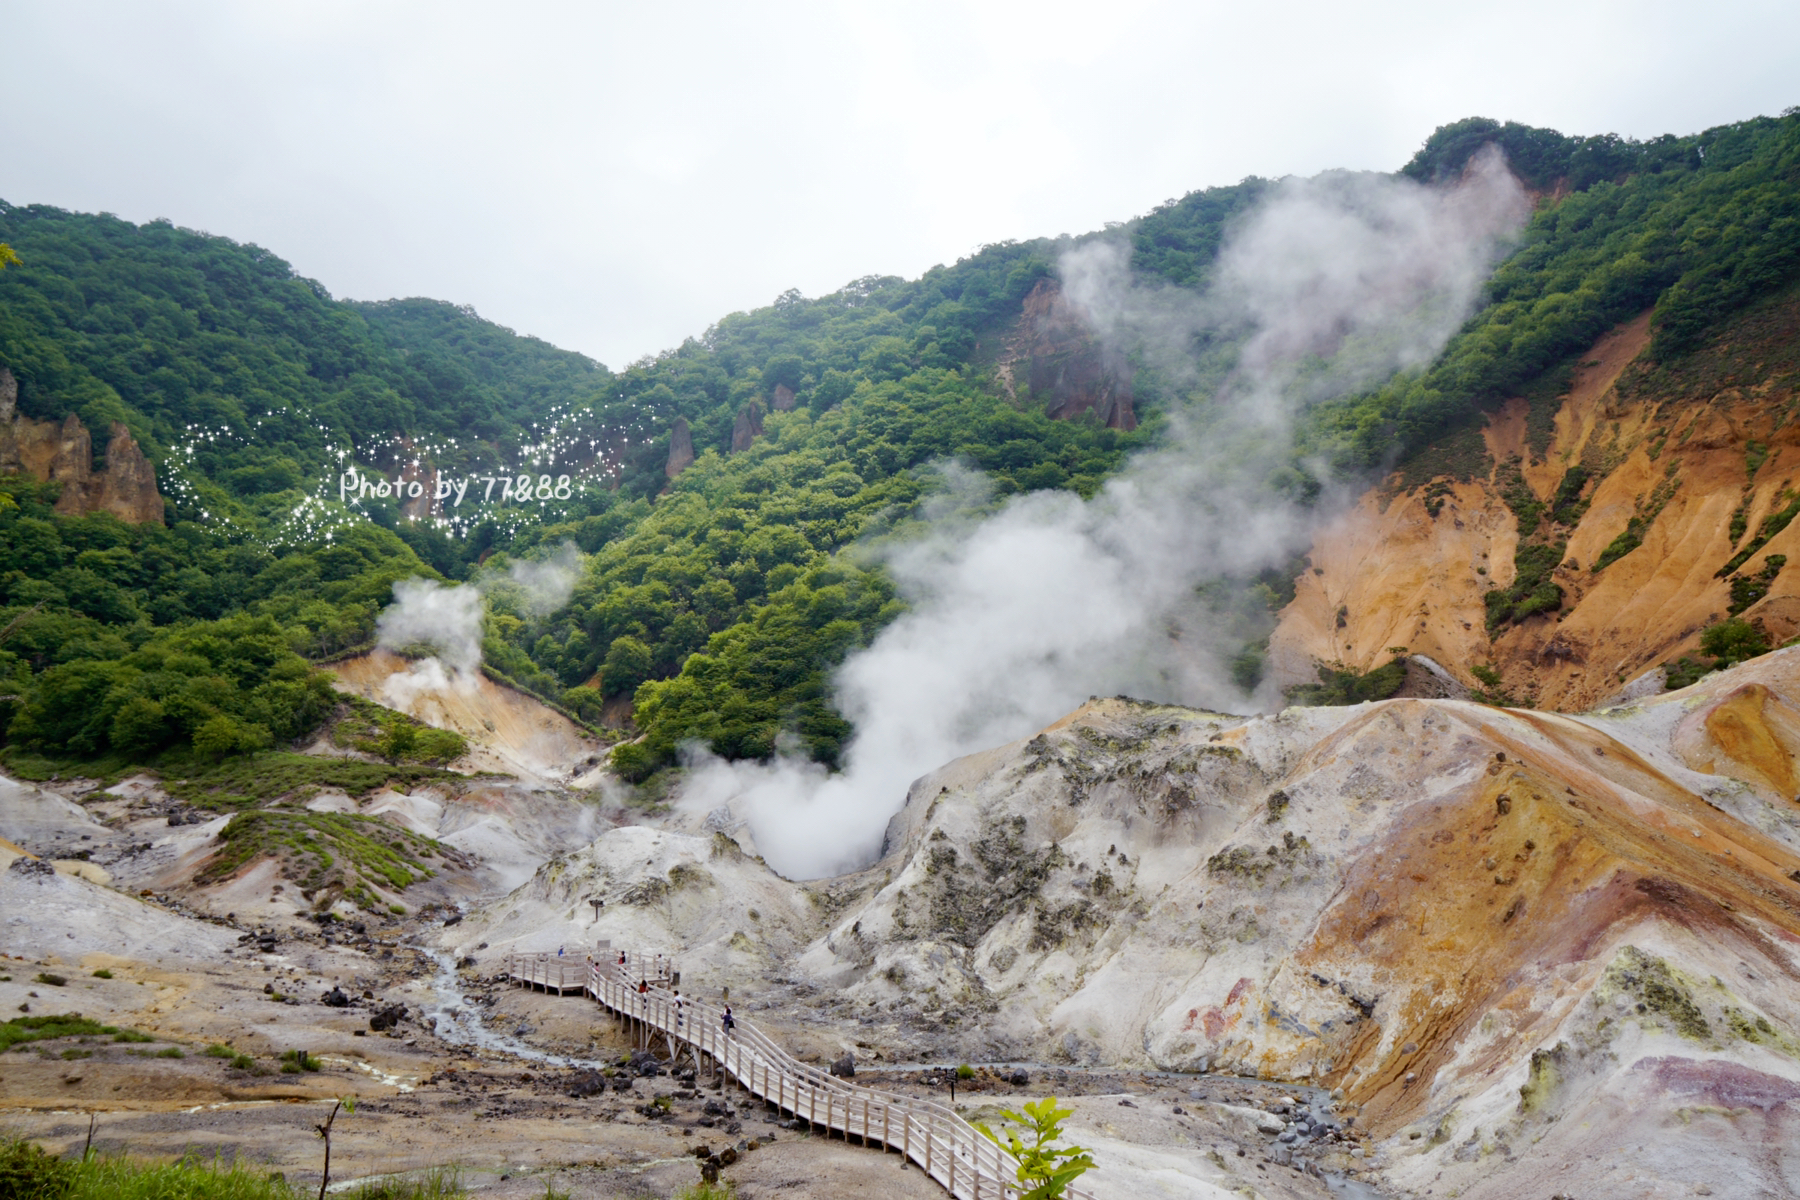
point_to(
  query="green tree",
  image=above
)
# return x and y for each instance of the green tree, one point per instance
(1045, 1171)
(1733, 641)
(628, 663)
(399, 738)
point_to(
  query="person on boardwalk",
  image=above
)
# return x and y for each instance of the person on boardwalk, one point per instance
(680, 1009)
(726, 1020)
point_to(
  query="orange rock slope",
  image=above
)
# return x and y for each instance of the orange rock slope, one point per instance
(1684, 448)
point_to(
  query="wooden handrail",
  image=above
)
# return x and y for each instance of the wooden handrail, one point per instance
(947, 1148)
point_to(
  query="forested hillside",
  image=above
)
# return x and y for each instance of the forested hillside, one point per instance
(719, 588)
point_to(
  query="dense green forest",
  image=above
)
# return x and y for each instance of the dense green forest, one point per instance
(720, 600)
(1691, 227)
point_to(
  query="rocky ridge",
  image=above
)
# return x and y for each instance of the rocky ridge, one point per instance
(63, 452)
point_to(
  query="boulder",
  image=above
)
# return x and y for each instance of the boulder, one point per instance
(32, 867)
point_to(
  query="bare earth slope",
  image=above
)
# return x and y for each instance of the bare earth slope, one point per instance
(508, 731)
(1684, 448)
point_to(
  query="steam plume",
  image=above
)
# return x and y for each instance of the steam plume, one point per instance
(545, 585)
(448, 618)
(427, 613)
(1331, 284)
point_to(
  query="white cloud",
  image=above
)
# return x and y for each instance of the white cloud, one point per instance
(615, 177)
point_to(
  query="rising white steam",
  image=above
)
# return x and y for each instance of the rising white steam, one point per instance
(544, 585)
(448, 618)
(428, 613)
(1331, 284)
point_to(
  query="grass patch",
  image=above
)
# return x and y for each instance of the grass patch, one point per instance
(40, 768)
(440, 1183)
(1632, 536)
(103, 973)
(1748, 589)
(28, 1173)
(250, 780)
(361, 724)
(295, 1061)
(21, 1030)
(319, 849)
(46, 977)
(708, 1191)
(1771, 525)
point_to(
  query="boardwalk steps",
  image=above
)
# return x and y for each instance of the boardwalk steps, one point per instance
(947, 1148)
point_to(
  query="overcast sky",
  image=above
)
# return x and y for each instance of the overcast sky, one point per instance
(615, 177)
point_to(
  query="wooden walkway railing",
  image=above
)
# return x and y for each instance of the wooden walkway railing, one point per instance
(947, 1148)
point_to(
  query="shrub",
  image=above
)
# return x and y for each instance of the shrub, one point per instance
(1339, 685)
(295, 1061)
(1733, 641)
(103, 973)
(29, 1174)
(52, 980)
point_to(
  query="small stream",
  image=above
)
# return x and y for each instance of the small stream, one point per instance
(458, 1021)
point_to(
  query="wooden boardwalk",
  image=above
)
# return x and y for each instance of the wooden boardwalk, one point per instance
(947, 1148)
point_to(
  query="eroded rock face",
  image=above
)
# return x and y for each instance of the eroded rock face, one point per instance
(63, 452)
(784, 399)
(748, 426)
(1057, 356)
(681, 448)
